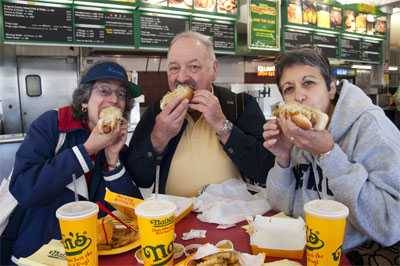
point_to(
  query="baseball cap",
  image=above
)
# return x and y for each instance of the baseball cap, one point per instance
(111, 70)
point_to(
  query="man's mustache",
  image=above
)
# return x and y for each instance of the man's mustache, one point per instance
(191, 84)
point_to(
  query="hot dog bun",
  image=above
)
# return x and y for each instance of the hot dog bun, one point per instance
(109, 119)
(181, 91)
(303, 116)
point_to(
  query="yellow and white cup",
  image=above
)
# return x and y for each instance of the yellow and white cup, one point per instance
(326, 223)
(156, 221)
(78, 224)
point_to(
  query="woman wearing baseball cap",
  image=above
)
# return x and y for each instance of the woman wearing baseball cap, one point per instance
(67, 142)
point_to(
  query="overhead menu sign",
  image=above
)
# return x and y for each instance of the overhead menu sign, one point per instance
(327, 44)
(221, 34)
(224, 37)
(158, 31)
(103, 27)
(296, 40)
(350, 49)
(51, 23)
(371, 51)
(263, 26)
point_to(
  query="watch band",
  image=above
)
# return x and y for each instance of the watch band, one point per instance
(226, 128)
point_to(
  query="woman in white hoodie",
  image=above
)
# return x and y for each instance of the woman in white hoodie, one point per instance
(356, 160)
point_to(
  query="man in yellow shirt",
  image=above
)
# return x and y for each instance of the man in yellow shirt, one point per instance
(214, 137)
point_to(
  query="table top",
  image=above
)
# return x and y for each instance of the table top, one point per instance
(236, 234)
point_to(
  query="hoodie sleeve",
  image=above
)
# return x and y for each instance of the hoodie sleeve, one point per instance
(39, 175)
(281, 188)
(368, 180)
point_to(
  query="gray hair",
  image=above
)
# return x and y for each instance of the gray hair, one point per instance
(203, 39)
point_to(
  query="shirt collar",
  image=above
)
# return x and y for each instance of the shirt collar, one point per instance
(67, 122)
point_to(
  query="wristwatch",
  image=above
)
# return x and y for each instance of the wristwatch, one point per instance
(226, 128)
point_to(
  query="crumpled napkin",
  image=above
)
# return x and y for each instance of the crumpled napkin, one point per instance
(229, 203)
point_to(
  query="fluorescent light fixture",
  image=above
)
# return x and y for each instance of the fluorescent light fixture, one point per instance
(393, 68)
(365, 67)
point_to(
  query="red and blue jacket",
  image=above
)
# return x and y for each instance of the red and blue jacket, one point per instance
(42, 178)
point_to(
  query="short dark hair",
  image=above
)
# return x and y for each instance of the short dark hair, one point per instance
(82, 94)
(304, 56)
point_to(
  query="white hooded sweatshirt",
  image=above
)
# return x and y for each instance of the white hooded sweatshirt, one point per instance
(362, 171)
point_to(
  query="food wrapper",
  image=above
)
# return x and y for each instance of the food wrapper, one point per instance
(212, 254)
(284, 262)
(283, 237)
(193, 234)
(51, 254)
(124, 204)
(229, 203)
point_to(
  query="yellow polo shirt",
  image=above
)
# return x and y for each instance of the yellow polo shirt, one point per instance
(199, 160)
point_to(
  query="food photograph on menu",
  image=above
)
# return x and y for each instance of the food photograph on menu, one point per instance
(370, 24)
(205, 5)
(180, 3)
(309, 12)
(380, 26)
(323, 16)
(155, 2)
(349, 21)
(336, 18)
(227, 6)
(294, 12)
(361, 23)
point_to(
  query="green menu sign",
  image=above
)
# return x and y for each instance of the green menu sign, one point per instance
(263, 25)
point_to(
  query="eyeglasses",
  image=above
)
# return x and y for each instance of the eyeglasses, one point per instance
(106, 91)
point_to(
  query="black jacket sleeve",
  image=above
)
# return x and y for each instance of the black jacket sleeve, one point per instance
(142, 159)
(244, 145)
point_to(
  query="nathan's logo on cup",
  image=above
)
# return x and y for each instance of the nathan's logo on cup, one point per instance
(162, 222)
(313, 240)
(78, 226)
(159, 254)
(156, 220)
(75, 244)
(337, 254)
(326, 222)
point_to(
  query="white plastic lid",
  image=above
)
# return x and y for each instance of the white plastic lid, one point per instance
(77, 210)
(154, 208)
(326, 208)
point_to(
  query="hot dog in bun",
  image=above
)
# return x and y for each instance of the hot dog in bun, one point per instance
(303, 116)
(109, 119)
(181, 91)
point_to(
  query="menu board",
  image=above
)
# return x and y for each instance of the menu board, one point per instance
(203, 27)
(158, 31)
(227, 6)
(371, 51)
(381, 26)
(327, 44)
(180, 3)
(350, 49)
(31, 22)
(103, 27)
(309, 12)
(221, 34)
(296, 40)
(263, 25)
(323, 16)
(224, 37)
(336, 18)
(294, 12)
